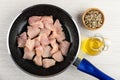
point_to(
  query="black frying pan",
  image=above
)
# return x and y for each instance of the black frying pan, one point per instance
(72, 35)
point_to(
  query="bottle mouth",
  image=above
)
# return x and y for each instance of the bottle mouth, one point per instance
(96, 44)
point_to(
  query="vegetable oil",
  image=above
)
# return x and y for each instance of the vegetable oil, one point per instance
(92, 46)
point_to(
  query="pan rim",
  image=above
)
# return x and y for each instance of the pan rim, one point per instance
(79, 35)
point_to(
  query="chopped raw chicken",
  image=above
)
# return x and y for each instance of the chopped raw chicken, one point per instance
(30, 44)
(64, 46)
(54, 45)
(44, 39)
(48, 63)
(39, 50)
(38, 60)
(37, 42)
(38, 38)
(57, 32)
(34, 19)
(47, 19)
(58, 56)
(28, 54)
(43, 36)
(38, 24)
(22, 39)
(53, 35)
(32, 32)
(49, 26)
(46, 31)
(38, 57)
(46, 50)
(57, 25)
(60, 37)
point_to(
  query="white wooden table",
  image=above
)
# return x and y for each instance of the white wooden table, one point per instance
(109, 61)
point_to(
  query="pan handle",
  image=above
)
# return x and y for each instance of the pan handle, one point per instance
(87, 67)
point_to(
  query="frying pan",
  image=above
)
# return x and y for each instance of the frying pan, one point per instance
(72, 34)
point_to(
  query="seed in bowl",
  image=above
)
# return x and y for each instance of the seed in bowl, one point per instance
(93, 18)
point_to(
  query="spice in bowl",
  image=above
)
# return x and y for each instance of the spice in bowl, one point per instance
(93, 19)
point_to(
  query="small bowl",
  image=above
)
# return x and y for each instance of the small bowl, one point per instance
(93, 13)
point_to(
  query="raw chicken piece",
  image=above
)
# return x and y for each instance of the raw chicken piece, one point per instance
(37, 42)
(46, 50)
(39, 50)
(38, 57)
(38, 38)
(47, 19)
(64, 46)
(38, 60)
(48, 63)
(53, 35)
(57, 32)
(61, 36)
(38, 24)
(43, 39)
(58, 56)
(46, 31)
(49, 26)
(30, 44)
(58, 26)
(34, 19)
(54, 45)
(22, 39)
(32, 32)
(28, 54)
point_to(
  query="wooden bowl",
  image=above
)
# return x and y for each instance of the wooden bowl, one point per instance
(86, 13)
